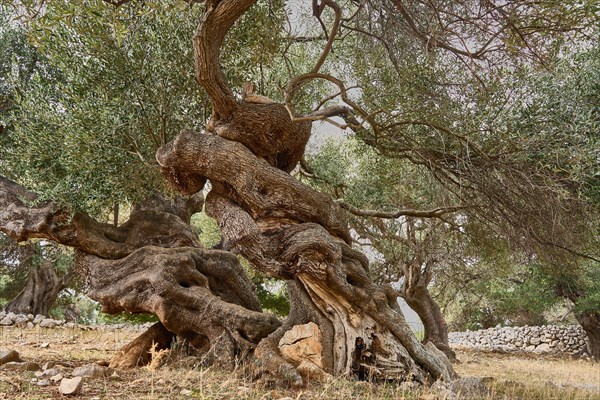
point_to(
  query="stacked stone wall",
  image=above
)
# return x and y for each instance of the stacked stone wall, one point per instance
(570, 340)
(30, 321)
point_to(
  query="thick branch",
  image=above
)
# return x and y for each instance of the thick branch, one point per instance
(23, 218)
(216, 22)
(264, 192)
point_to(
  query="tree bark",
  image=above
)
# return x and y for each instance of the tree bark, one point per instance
(436, 330)
(416, 266)
(153, 263)
(288, 230)
(40, 292)
(139, 351)
(591, 325)
(590, 321)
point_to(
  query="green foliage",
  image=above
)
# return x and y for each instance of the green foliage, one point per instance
(519, 296)
(207, 228)
(125, 88)
(272, 295)
(560, 122)
(125, 317)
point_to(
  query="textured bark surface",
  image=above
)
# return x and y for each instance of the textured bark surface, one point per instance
(40, 292)
(434, 323)
(153, 264)
(591, 325)
(417, 276)
(286, 229)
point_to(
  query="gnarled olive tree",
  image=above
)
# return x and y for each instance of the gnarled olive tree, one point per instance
(154, 263)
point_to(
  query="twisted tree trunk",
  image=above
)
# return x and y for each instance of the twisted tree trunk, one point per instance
(288, 230)
(436, 330)
(154, 264)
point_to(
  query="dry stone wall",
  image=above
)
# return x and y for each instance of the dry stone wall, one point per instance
(555, 339)
(29, 321)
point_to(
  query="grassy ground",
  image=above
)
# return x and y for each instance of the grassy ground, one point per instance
(514, 377)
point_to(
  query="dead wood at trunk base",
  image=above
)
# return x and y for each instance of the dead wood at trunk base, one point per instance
(139, 351)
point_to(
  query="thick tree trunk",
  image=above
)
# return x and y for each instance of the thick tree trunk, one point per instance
(590, 322)
(290, 231)
(154, 264)
(591, 325)
(40, 292)
(417, 277)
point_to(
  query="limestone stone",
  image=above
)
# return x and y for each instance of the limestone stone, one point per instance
(8, 356)
(71, 386)
(48, 323)
(92, 371)
(303, 343)
(543, 348)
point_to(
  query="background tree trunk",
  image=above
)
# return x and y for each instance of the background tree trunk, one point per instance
(40, 292)
(434, 323)
(591, 325)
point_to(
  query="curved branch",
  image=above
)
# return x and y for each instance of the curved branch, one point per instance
(23, 217)
(317, 10)
(212, 29)
(264, 192)
(340, 111)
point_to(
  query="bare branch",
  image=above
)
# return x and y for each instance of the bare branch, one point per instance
(317, 10)
(434, 213)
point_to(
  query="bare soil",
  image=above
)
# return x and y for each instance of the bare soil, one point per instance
(512, 376)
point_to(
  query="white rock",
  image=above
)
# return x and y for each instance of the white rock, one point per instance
(92, 371)
(71, 386)
(48, 323)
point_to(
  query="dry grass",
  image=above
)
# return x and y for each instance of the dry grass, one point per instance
(543, 377)
(515, 377)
